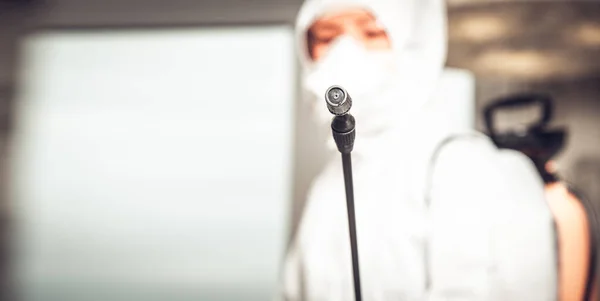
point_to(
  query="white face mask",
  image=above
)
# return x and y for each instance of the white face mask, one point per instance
(388, 90)
(369, 76)
(349, 64)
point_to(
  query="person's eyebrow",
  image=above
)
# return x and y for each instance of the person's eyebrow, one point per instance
(368, 21)
(325, 27)
(365, 20)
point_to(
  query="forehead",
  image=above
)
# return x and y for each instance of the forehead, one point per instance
(351, 16)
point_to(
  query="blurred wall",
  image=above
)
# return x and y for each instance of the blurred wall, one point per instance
(138, 175)
(10, 21)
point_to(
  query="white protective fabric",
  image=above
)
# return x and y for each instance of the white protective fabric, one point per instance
(473, 227)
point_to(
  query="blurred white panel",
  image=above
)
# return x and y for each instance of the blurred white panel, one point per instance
(454, 98)
(154, 165)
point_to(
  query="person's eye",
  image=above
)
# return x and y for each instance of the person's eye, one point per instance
(325, 39)
(375, 33)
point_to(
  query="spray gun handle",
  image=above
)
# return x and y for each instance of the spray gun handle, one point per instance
(519, 100)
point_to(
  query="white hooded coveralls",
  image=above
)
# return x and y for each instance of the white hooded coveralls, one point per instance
(471, 224)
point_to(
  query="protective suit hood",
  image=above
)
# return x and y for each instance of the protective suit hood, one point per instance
(417, 32)
(416, 28)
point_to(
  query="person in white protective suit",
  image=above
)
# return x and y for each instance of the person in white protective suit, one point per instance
(440, 215)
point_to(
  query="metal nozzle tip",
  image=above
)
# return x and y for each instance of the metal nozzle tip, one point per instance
(336, 96)
(338, 100)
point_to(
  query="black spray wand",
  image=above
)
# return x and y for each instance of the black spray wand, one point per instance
(342, 126)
